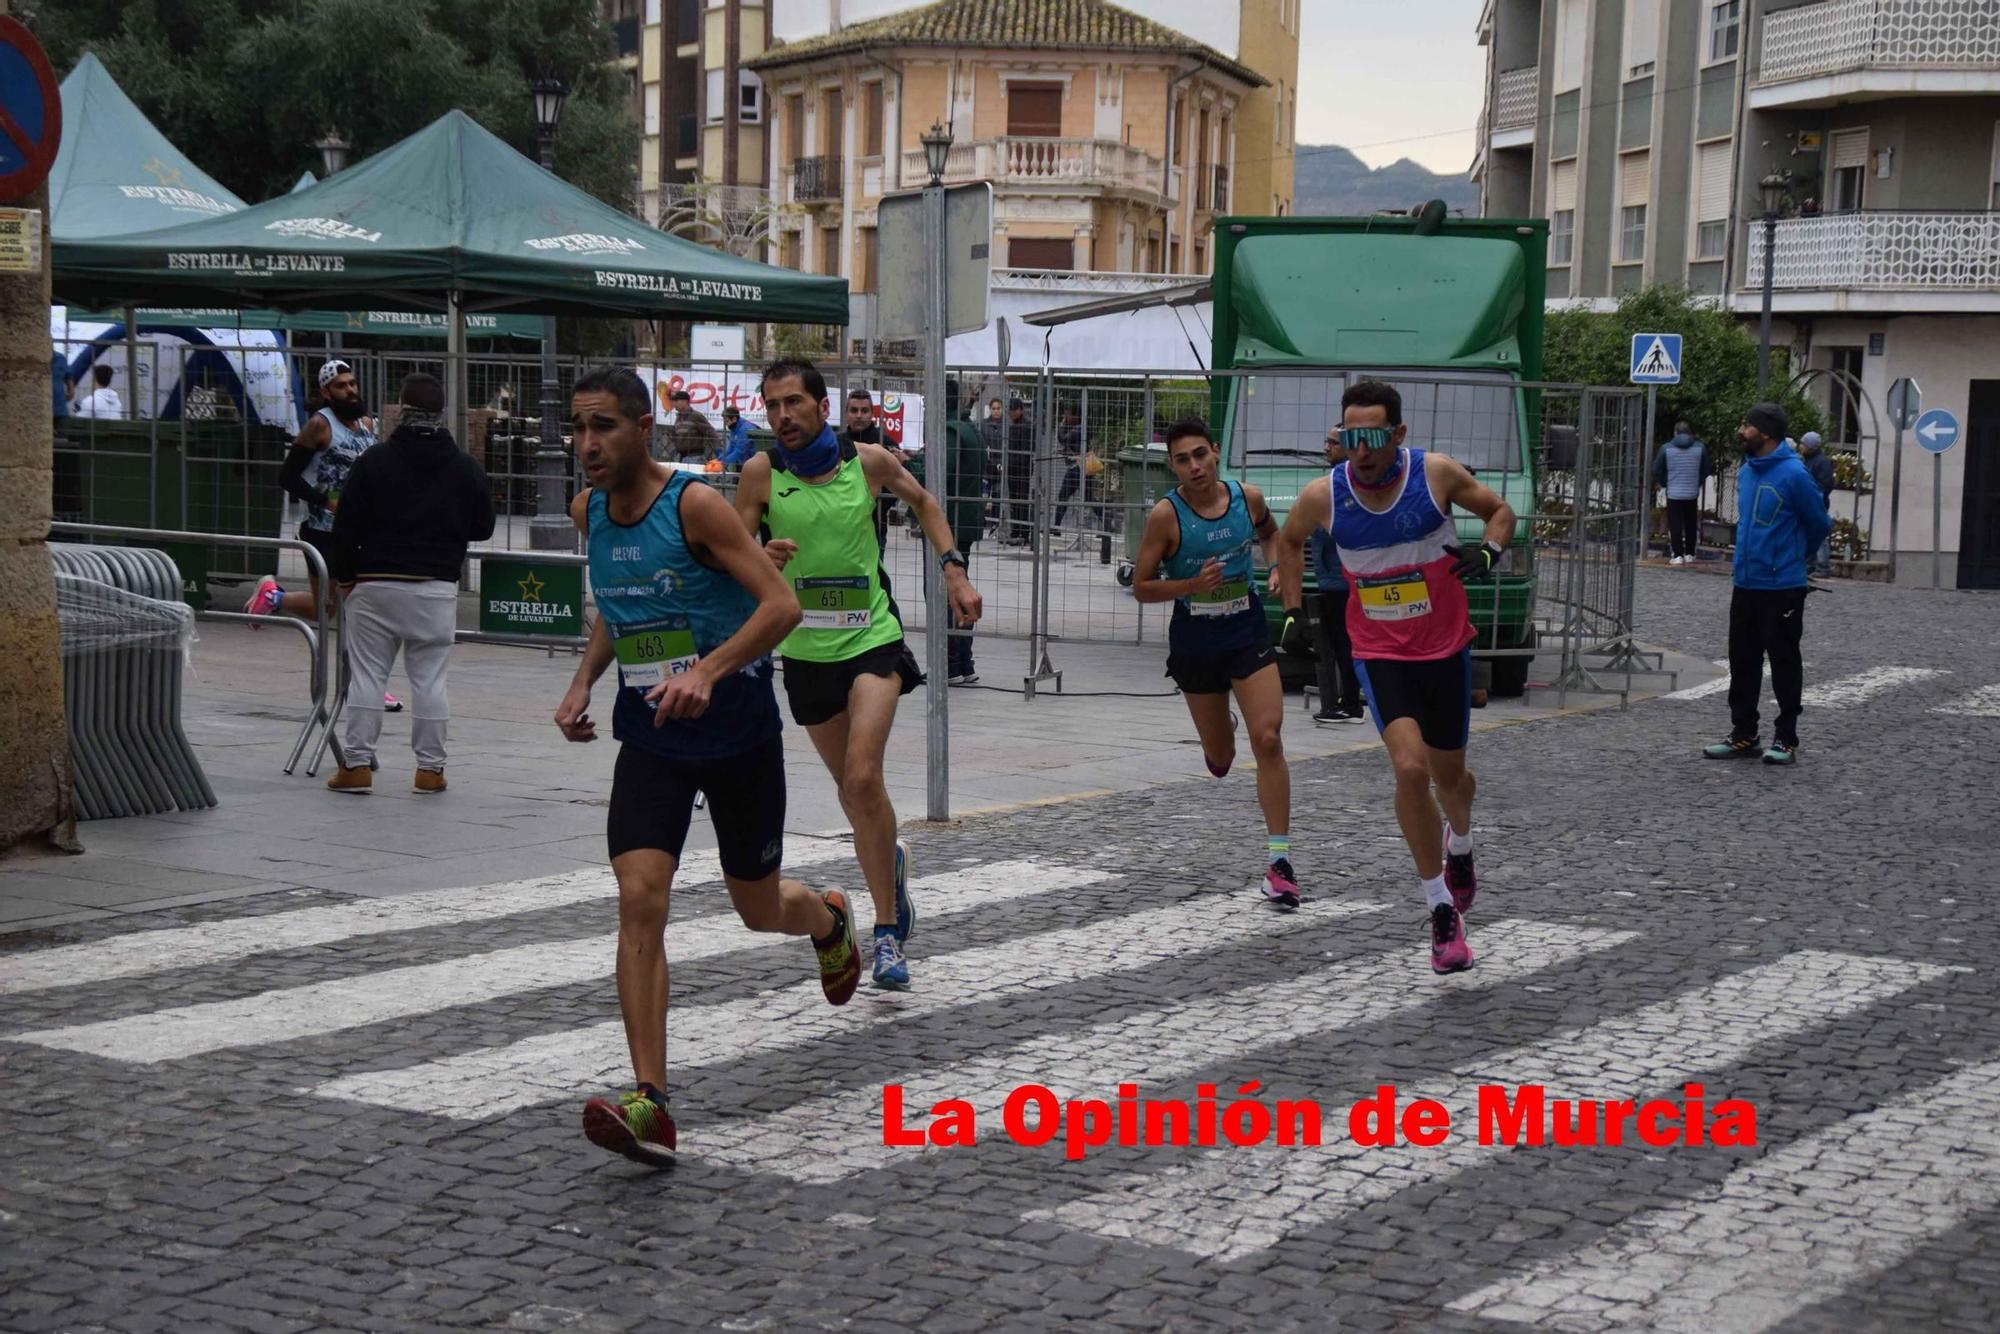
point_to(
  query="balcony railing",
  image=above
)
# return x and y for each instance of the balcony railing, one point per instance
(1839, 35)
(1881, 251)
(1514, 95)
(1018, 160)
(815, 179)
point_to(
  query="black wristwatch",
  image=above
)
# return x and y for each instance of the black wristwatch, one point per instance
(951, 558)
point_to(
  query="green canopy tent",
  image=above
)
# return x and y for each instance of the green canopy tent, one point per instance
(450, 217)
(306, 181)
(116, 175)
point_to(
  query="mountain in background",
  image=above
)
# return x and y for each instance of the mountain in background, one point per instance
(1327, 179)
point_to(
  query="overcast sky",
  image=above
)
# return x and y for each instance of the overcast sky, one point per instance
(1392, 78)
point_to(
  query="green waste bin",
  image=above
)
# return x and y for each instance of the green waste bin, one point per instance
(1144, 478)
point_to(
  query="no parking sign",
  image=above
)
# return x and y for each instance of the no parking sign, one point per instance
(30, 112)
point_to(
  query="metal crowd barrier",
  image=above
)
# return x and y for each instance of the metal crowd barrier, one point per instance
(123, 641)
(318, 639)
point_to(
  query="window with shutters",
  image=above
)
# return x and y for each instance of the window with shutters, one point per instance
(1031, 252)
(795, 126)
(871, 119)
(1847, 171)
(1711, 200)
(1725, 24)
(789, 251)
(1642, 36)
(1570, 19)
(652, 100)
(831, 110)
(1034, 110)
(1562, 212)
(1634, 194)
(869, 253)
(829, 251)
(713, 104)
(749, 97)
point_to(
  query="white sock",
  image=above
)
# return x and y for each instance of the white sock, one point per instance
(1455, 843)
(1435, 894)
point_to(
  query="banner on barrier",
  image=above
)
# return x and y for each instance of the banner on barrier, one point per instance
(530, 597)
(711, 389)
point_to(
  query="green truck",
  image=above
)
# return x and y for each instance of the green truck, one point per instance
(1448, 310)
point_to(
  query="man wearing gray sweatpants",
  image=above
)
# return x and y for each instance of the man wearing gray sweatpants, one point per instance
(411, 506)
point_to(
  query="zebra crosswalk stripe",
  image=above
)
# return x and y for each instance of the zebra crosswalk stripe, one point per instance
(1842, 1218)
(1981, 703)
(1225, 1205)
(481, 1084)
(1145, 1049)
(330, 1007)
(164, 948)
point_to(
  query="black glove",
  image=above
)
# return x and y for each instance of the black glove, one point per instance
(1476, 562)
(1293, 638)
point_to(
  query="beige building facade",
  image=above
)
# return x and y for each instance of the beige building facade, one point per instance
(1110, 140)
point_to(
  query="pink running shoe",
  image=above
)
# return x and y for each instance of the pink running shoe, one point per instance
(390, 704)
(1281, 887)
(1449, 952)
(266, 599)
(1458, 875)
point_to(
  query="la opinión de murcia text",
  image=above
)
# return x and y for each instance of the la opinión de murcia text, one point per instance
(1505, 1116)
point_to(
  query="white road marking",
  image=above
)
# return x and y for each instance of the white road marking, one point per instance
(1148, 1049)
(547, 1068)
(397, 993)
(1847, 1202)
(1232, 1203)
(166, 948)
(1706, 688)
(1981, 703)
(1848, 691)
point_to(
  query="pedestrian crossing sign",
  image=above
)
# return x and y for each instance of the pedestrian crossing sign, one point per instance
(1656, 358)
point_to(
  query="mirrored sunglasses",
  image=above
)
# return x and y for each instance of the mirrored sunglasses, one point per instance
(1366, 437)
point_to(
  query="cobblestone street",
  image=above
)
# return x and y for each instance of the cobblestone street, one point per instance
(309, 1108)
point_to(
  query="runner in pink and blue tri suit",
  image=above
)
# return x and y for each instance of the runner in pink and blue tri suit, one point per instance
(1195, 553)
(1388, 510)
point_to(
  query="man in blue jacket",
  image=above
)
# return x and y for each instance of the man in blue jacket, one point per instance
(1781, 519)
(740, 448)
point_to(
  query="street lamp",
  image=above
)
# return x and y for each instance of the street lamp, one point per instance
(333, 151)
(1774, 189)
(937, 147)
(551, 529)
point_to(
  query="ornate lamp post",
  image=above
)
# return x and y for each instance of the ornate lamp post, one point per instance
(551, 529)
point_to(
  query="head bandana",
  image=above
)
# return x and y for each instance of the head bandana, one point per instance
(816, 459)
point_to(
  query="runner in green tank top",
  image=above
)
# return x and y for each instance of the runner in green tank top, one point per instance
(846, 665)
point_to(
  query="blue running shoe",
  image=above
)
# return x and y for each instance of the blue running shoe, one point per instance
(892, 970)
(906, 912)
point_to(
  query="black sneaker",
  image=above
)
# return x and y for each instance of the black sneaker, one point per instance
(1735, 748)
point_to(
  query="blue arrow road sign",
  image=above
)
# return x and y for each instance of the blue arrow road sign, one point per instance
(1937, 430)
(1656, 358)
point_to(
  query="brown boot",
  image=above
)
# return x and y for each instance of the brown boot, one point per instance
(358, 781)
(428, 780)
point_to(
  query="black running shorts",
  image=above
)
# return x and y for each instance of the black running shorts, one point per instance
(1437, 693)
(652, 804)
(1211, 673)
(817, 691)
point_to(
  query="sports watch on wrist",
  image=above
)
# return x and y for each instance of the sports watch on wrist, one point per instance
(951, 558)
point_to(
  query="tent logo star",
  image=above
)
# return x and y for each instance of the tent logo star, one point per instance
(162, 173)
(531, 588)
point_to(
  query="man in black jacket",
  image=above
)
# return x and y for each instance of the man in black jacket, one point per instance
(410, 508)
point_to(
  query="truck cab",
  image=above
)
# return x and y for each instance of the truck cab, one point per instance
(1447, 310)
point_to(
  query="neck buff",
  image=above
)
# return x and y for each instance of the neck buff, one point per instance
(820, 457)
(1388, 478)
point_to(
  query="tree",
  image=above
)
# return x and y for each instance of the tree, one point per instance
(1718, 361)
(245, 87)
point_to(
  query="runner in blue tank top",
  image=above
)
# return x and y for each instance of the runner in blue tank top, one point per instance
(1196, 554)
(690, 609)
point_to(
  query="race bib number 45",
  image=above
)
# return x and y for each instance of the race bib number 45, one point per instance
(1394, 597)
(834, 602)
(1226, 599)
(648, 654)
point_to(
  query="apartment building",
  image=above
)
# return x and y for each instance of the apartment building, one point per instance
(1658, 136)
(703, 155)
(1110, 139)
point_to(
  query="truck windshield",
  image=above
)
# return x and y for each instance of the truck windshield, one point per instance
(1282, 417)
